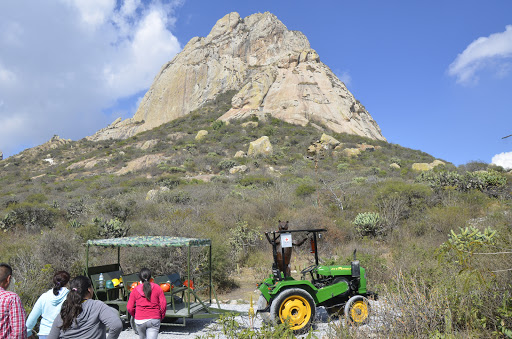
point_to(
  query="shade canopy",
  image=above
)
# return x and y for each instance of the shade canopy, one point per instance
(149, 241)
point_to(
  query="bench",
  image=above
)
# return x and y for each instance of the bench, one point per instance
(115, 296)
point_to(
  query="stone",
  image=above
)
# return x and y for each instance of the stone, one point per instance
(262, 146)
(421, 166)
(274, 172)
(351, 152)
(238, 169)
(141, 163)
(240, 154)
(201, 134)
(437, 163)
(325, 143)
(250, 124)
(365, 147)
(50, 161)
(153, 194)
(86, 164)
(328, 140)
(148, 144)
(1, 155)
(394, 165)
(54, 143)
(38, 176)
(272, 69)
(176, 136)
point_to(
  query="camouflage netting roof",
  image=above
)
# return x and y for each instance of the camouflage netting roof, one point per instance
(149, 241)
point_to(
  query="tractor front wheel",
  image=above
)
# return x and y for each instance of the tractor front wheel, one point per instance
(295, 306)
(357, 310)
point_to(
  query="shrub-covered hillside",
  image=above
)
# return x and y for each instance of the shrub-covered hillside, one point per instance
(409, 227)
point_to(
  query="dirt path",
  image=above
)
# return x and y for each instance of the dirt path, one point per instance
(247, 280)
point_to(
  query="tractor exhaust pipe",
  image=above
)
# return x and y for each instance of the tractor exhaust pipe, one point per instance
(356, 268)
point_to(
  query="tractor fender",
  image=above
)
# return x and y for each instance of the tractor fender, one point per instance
(302, 284)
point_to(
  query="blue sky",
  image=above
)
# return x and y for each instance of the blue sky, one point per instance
(436, 76)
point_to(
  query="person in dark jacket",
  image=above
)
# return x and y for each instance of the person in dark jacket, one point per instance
(83, 317)
(147, 305)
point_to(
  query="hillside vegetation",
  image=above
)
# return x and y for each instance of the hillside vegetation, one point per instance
(419, 234)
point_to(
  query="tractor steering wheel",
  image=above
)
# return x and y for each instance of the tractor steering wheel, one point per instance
(308, 269)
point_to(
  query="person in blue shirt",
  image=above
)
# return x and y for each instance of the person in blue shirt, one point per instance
(48, 306)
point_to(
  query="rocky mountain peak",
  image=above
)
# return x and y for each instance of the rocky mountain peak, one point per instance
(273, 69)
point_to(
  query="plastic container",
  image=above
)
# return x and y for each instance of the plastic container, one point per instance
(101, 282)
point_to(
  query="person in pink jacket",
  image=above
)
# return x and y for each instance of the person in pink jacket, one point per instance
(147, 305)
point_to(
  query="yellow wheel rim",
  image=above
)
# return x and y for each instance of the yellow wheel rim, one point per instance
(296, 311)
(359, 311)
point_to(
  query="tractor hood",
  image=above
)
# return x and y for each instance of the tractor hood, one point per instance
(343, 270)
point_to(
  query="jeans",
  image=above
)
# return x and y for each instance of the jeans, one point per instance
(149, 329)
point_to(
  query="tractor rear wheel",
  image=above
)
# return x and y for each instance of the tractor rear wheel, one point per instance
(295, 306)
(357, 310)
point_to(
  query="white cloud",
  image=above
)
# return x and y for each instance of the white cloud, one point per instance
(344, 76)
(150, 42)
(503, 159)
(64, 63)
(93, 12)
(6, 77)
(492, 51)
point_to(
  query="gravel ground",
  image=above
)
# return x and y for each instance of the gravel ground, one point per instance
(200, 327)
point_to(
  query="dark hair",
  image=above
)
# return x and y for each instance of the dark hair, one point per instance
(5, 271)
(72, 307)
(60, 279)
(145, 275)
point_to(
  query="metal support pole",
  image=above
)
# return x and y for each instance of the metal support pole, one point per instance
(188, 278)
(284, 261)
(316, 248)
(210, 269)
(87, 260)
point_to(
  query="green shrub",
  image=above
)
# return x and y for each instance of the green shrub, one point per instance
(232, 328)
(170, 182)
(33, 217)
(359, 180)
(487, 181)
(113, 228)
(73, 223)
(226, 164)
(255, 180)
(171, 169)
(218, 124)
(304, 190)
(242, 237)
(119, 209)
(369, 224)
(36, 198)
(76, 209)
(342, 167)
(179, 197)
(464, 244)
(398, 200)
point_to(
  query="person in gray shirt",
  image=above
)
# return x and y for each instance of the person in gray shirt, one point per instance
(83, 317)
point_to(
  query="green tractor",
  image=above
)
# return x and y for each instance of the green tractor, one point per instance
(337, 288)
